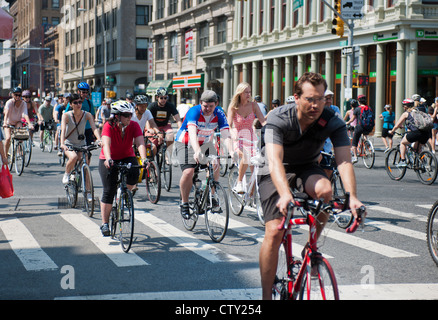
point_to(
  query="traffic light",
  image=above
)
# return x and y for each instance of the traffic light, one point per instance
(24, 70)
(338, 24)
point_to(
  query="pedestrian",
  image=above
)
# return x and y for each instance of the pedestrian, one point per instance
(388, 117)
(262, 106)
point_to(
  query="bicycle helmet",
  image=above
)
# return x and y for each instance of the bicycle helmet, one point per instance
(120, 106)
(276, 101)
(416, 97)
(141, 99)
(129, 96)
(27, 93)
(161, 92)
(354, 103)
(362, 98)
(290, 99)
(83, 86)
(408, 102)
(17, 90)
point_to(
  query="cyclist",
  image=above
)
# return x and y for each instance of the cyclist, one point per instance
(32, 110)
(413, 133)
(161, 110)
(73, 132)
(294, 136)
(118, 135)
(358, 130)
(45, 116)
(15, 109)
(57, 115)
(195, 137)
(144, 117)
(87, 105)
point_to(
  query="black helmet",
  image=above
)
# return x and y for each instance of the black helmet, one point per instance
(17, 90)
(353, 103)
(276, 101)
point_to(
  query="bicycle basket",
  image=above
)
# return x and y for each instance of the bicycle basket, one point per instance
(20, 134)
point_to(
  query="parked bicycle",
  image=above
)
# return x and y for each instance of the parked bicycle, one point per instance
(122, 213)
(313, 277)
(81, 180)
(424, 163)
(17, 152)
(251, 197)
(209, 199)
(365, 150)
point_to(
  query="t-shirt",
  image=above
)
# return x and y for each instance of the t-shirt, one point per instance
(121, 148)
(15, 114)
(283, 128)
(388, 119)
(206, 127)
(46, 112)
(162, 114)
(147, 115)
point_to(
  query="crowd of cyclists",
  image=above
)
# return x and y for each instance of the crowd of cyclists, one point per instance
(292, 135)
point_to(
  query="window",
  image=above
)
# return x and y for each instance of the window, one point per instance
(160, 9)
(141, 49)
(99, 54)
(142, 15)
(78, 60)
(114, 17)
(173, 7)
(78, 33)
(45, 20)
(91, 56)
(85, 57)
(262, 8)
(187, 4)
(115, 49)
(222, 30)
(173, 46)
(55, 21)
(160, 48)
(67, 63)
(55, 4)
(203, 36)
(91, 28)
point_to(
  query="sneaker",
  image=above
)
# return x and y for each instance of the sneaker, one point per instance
(59, 153)
(215, 206)
(239, 188)
(185, 210)
(72, 177)
(353, 159)
(105, 230)
(402, 164)
(65, 178)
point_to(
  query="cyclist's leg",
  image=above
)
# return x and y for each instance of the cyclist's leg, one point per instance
(355, 141)
(109, 184)
(8, 139)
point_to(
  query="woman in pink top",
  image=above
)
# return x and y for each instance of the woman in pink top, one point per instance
(15, 109)
(241, 114)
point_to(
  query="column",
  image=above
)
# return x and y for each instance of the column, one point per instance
(277, 81)
(314, 61)
(266, 83)
(227, 85)
(236, 79)
(300, 65)
(288, 90)
(363, 66)
(245, 72)
(400, 80)
(255, 78)
(329, 70)
(380, 88)
(413, 68)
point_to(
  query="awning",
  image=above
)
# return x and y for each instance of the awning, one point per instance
(155, 84)
(6, 25)
(188, 81)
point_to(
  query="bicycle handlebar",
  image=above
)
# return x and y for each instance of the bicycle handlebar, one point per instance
(88, 148)
(358, 221)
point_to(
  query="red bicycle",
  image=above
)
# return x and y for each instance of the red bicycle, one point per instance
(313, 277)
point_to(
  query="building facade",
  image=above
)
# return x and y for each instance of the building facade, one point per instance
(393, 43)
(105, 44)
(5, 62)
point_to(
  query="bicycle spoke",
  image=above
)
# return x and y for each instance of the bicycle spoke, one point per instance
(217, 216)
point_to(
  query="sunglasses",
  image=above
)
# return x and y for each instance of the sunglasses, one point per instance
(26, 97)
(76, 102)
(17, 94)
(126, 114)
(163, 98)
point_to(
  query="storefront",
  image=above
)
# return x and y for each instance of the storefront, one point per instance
(189, 87)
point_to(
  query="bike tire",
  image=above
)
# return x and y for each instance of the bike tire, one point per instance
(88, 190)
(11, 155)
(113, 220)
(369, 155)
(323, 285)
(283, 282)
(236, 200)
(19, 158)
(426, 167)
(166, 169)
(258, 206)
(28, 149)
(217, 220)
(71, 191)
(391, 160)
(126, 220)
(432, 232)
(49, 142)
(153, 182)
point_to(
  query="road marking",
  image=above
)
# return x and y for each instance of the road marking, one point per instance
(408, 291)
(184, 239)
(110, 247)
(25, 246)
(399, 214)
(392, 228)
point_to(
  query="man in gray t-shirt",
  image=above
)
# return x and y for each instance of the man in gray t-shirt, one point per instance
(294, 137)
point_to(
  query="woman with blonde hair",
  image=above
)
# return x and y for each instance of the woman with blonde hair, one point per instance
(241, 114)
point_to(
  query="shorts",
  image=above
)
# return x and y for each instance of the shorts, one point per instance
(358, 131)
(385, 133)
(417, 135)
(185, 153)
(297, 180)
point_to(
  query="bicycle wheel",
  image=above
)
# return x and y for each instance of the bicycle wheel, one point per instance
(19, 158)
(236, 200)
(432, 232)
(126, 220)
(28, 153)
(88, 190)
(48, 141)
(319, 283)
(190, 223)
(217, 213)
(391, 164)
(166, 169)
(62, 158)
(426, 167)
(71, 191)
(258, 206)
(113, 220)
(153, 182)
(368, 155)
(282, 288)
(11, 155)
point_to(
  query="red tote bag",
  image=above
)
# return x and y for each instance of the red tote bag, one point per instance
(6, 186)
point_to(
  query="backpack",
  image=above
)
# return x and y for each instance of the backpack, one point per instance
(366, 119)
(421, 120)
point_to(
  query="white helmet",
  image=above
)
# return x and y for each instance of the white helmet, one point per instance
(290, 99)
(120, 106)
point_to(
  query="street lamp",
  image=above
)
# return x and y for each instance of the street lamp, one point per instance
(104, 48)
